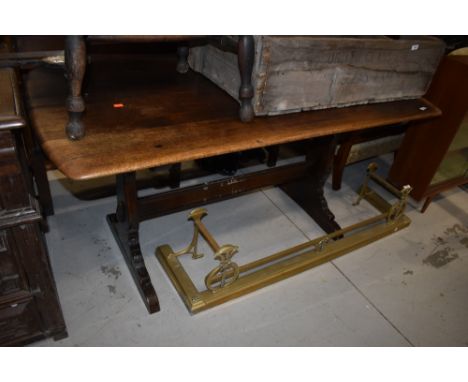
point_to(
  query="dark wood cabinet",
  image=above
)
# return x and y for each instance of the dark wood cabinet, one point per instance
(29, 306)
(433, 156)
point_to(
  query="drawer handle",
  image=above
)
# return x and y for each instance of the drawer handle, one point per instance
(37, 292)
(8, 278)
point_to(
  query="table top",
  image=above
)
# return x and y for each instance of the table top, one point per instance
(166, 117)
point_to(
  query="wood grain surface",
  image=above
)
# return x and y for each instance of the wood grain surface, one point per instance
(294, 73)
(164, 117)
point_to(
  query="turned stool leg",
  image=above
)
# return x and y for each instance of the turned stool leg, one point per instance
(245, 55)
(182, 59)
(75, 64)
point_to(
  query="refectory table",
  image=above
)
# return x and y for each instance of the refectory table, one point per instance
(142, 114)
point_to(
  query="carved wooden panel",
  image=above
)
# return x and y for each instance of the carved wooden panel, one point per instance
(11, 278)
(19, 322)
(29, 306)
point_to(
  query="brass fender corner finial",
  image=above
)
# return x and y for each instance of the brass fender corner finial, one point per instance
(398, 208)
(226, 272)
(197, 214)
(371, 169)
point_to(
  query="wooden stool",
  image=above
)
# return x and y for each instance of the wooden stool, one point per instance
(75, 63)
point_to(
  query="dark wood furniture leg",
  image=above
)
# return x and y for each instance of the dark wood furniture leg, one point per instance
(174, 175)
(273, 153)
(124, 225)
(347, 141)
(75, 63)
(426, 204)
(245, 56)
(339, 163)
(308, 191)
(182, 59)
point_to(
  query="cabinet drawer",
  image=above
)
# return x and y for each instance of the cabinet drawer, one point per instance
(19, 322)
(12, 279)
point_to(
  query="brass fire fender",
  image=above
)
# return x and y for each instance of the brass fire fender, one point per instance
(229, 280)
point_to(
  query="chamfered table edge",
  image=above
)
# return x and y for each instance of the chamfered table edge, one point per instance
(76, 168)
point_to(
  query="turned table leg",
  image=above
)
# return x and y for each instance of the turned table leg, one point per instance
(245, 56)
(182, 59)
(124, 225)
(308, 192)
(75, 64)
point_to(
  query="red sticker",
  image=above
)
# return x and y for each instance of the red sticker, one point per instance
(118, 105)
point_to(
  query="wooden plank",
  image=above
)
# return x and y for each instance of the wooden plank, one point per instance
(156, 205)
(294, 73)
(169, 118)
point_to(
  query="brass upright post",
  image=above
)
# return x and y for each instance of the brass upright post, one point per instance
(196, 215)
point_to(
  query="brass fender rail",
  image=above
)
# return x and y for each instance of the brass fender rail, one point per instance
(228, 280)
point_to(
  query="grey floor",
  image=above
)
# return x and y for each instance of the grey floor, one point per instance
(409, 289)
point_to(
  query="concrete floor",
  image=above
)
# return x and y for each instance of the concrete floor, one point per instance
(409, 289)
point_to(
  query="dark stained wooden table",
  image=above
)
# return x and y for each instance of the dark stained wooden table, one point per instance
(168, 118)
